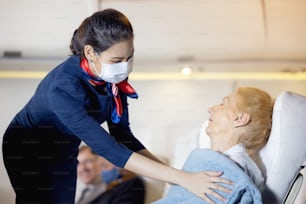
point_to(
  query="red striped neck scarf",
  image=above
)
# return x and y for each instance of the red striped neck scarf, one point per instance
(112, 89)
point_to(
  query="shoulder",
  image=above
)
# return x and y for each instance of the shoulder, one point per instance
(67, 77)
(68, 69)
(242, 158)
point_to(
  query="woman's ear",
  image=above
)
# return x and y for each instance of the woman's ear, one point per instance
(89, 53)
(242, 120)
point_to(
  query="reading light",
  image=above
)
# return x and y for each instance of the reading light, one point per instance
(186, 71)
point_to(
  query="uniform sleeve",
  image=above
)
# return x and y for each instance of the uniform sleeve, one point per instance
(71, 112)
(122, 131)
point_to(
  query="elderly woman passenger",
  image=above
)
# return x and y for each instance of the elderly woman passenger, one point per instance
(238, 128)
(240, 125)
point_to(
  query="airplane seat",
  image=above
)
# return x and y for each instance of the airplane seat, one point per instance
(283, 158)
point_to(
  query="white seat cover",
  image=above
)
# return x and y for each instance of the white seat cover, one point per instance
(285, 152)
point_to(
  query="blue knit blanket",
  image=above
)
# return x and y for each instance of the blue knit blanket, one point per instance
(244, 190)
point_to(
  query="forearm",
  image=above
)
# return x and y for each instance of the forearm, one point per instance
(146, 153)
(147, 167)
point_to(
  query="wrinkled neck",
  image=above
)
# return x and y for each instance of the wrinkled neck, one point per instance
(221, 143)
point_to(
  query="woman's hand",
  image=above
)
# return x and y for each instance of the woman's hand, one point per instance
(204, 183)
(200, 184)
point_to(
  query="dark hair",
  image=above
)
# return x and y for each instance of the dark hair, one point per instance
(101, 30)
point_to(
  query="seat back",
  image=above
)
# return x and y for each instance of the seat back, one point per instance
(285, 153)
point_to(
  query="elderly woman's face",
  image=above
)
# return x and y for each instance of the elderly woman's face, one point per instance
(222, 116)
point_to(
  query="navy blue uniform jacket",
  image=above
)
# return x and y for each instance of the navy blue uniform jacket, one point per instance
(40, 146)
(67, 105)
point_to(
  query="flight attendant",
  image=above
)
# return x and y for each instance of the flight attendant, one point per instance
(90, 87)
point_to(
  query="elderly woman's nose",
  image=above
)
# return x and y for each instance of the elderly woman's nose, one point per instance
(211, 109)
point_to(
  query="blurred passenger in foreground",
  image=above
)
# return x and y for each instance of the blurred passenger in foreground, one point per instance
(238, 128)
(115, 186)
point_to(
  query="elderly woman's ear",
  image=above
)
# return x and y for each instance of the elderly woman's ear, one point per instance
(241, 120)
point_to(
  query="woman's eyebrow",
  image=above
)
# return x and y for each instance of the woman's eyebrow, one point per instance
(226, 98)
(119, 58)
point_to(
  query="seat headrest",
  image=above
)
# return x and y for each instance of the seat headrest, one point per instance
(285, 151)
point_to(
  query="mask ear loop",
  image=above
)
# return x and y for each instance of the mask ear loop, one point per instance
(130, 64)
(94, 66)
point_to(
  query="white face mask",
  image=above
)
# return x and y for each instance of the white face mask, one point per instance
(115, 73)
